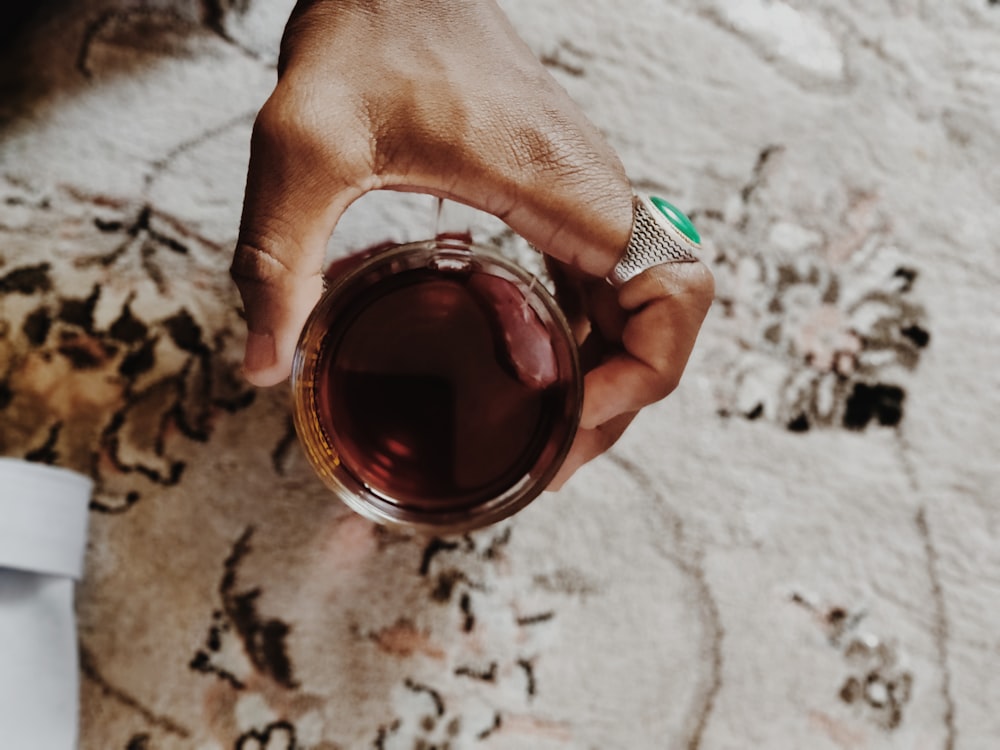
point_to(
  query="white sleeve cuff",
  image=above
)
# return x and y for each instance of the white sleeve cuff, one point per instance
(43, 518)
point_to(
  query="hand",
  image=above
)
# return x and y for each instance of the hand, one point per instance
(442, 97)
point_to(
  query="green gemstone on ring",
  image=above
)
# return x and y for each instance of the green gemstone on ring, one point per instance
(676, 217)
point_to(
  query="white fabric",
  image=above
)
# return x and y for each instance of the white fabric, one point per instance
(43, 526)
(43, 518)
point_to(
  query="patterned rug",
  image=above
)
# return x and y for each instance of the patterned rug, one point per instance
(797, 549)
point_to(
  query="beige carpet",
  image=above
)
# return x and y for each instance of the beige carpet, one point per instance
(799, 549)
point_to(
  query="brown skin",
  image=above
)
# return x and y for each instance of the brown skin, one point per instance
(442, 97)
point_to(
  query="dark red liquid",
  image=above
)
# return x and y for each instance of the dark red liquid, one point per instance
(437, 389)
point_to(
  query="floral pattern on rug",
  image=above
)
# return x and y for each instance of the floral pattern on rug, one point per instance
(825, 321)
(105, 366)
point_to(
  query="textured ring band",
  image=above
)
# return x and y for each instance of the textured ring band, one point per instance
(660, 234)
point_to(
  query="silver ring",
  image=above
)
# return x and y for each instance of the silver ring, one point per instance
(660, 234)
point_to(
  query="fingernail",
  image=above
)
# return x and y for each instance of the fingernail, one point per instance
(261, 352)
(676, 217)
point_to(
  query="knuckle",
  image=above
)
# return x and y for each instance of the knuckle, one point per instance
(701, 285)
(256, 263)
(299, 125)
(689, 283)
(662, 376)
(607, 437)
(270, 127)
(670, 378)
(284, 123)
